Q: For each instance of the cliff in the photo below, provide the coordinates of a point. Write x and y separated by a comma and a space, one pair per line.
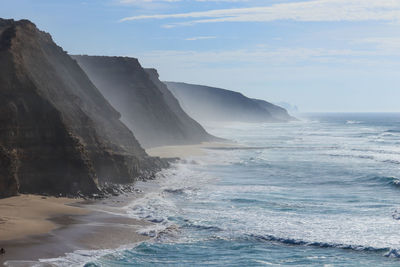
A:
58, 134
210, 104
279, 113
146, 105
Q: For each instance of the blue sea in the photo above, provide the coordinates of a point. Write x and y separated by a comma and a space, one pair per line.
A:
323, 191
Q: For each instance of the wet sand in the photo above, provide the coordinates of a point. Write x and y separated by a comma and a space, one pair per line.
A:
57, 228
25, 215
34, 227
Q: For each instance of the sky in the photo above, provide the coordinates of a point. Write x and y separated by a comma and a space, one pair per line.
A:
320, 55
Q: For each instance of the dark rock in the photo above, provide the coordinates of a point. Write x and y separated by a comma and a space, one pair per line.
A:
146, 105
58, 134
8, 173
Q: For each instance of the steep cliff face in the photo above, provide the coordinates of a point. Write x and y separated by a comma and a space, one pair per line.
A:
59, 133
192, 130
8, 173
146, 105
209, 104
279, 113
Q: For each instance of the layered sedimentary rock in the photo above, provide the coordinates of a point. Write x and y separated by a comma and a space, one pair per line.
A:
209, 104
146, 105
58, 134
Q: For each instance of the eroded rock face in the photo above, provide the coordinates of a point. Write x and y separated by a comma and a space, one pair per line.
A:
8, 173
65, 136
146, 105
209, 104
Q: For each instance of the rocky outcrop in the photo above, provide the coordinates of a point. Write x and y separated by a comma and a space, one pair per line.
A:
8, 173
277, 112
58, 134
146, 105
209, 104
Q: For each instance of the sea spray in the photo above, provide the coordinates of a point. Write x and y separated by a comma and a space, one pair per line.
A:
291, 201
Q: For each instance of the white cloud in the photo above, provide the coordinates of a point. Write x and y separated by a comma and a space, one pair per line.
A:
383, 43
306, 76
138, 2
222, 0
134, 2
200, 38
264, 56
315, 10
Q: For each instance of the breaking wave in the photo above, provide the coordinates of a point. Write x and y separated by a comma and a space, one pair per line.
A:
387, 251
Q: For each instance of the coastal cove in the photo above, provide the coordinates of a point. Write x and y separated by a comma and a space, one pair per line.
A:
185, 133
254, 204
75, 128
36, 227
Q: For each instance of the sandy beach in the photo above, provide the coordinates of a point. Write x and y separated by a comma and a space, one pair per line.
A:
25, 215
34, 227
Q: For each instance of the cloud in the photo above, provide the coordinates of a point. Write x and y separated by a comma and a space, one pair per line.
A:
307, 11
222, 1
383, 43
138, 2
265, 56
289, 73
135, 2
280, 60
200, 38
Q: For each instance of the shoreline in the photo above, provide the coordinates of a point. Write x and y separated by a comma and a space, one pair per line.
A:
26, 221
60, 226
34, 227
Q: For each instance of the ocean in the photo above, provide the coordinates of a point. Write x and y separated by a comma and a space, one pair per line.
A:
324, 191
